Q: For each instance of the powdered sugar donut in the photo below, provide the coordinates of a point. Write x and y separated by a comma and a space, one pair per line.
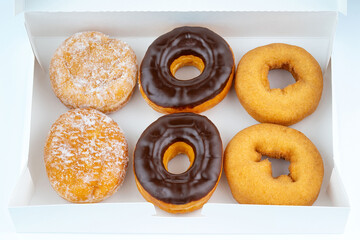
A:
89, 69
86, 156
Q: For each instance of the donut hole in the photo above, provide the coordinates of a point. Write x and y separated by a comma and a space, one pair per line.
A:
279, 166
178, 164
187, 67
187, 73
178, 158
280, 78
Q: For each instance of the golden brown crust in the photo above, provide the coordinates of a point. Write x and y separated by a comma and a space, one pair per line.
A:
197, 109
178, 148
282, 106
173, 150
176, 208
251, 180
184, 46
173, 134
187, 60
89, 69
173, 208
86, 156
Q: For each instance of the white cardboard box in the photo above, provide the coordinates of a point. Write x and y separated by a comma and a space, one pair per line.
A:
35, 207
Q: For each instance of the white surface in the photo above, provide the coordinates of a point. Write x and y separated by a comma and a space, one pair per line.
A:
184, 5
47, 31
15, 53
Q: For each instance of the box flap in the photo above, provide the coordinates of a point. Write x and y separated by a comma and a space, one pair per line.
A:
278, 26
186, 5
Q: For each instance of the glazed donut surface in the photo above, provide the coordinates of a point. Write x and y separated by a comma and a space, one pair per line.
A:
168, 136
281, 106
91, 70
196, 46
86, 156
250, 178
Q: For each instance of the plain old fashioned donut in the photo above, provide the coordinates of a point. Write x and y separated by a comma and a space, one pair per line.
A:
251, 180
183, 46
91, 70
86, 156
188, 133
282, 106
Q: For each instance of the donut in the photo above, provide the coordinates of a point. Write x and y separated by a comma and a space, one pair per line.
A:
91, 70
183, 46
86, 156
280, 106
250, 178
188, 133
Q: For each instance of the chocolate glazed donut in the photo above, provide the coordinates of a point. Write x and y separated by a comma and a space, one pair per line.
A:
188, 133
196, 46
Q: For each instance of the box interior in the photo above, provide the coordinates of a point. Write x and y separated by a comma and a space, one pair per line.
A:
244, 31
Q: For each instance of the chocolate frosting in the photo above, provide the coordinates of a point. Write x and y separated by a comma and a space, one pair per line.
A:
163, 89
195, 183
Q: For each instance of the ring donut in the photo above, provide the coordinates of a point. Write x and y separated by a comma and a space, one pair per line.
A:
188, 133
251, 180
196, 46
91, 70
281, 106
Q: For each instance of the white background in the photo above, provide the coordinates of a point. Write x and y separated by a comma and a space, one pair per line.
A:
15, 56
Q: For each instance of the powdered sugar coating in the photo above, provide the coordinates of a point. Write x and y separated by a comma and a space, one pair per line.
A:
86, 156
89, 69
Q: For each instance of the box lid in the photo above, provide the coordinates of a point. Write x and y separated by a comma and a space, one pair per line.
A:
185, 5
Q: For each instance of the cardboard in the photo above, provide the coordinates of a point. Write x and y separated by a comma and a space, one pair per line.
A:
35, 206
